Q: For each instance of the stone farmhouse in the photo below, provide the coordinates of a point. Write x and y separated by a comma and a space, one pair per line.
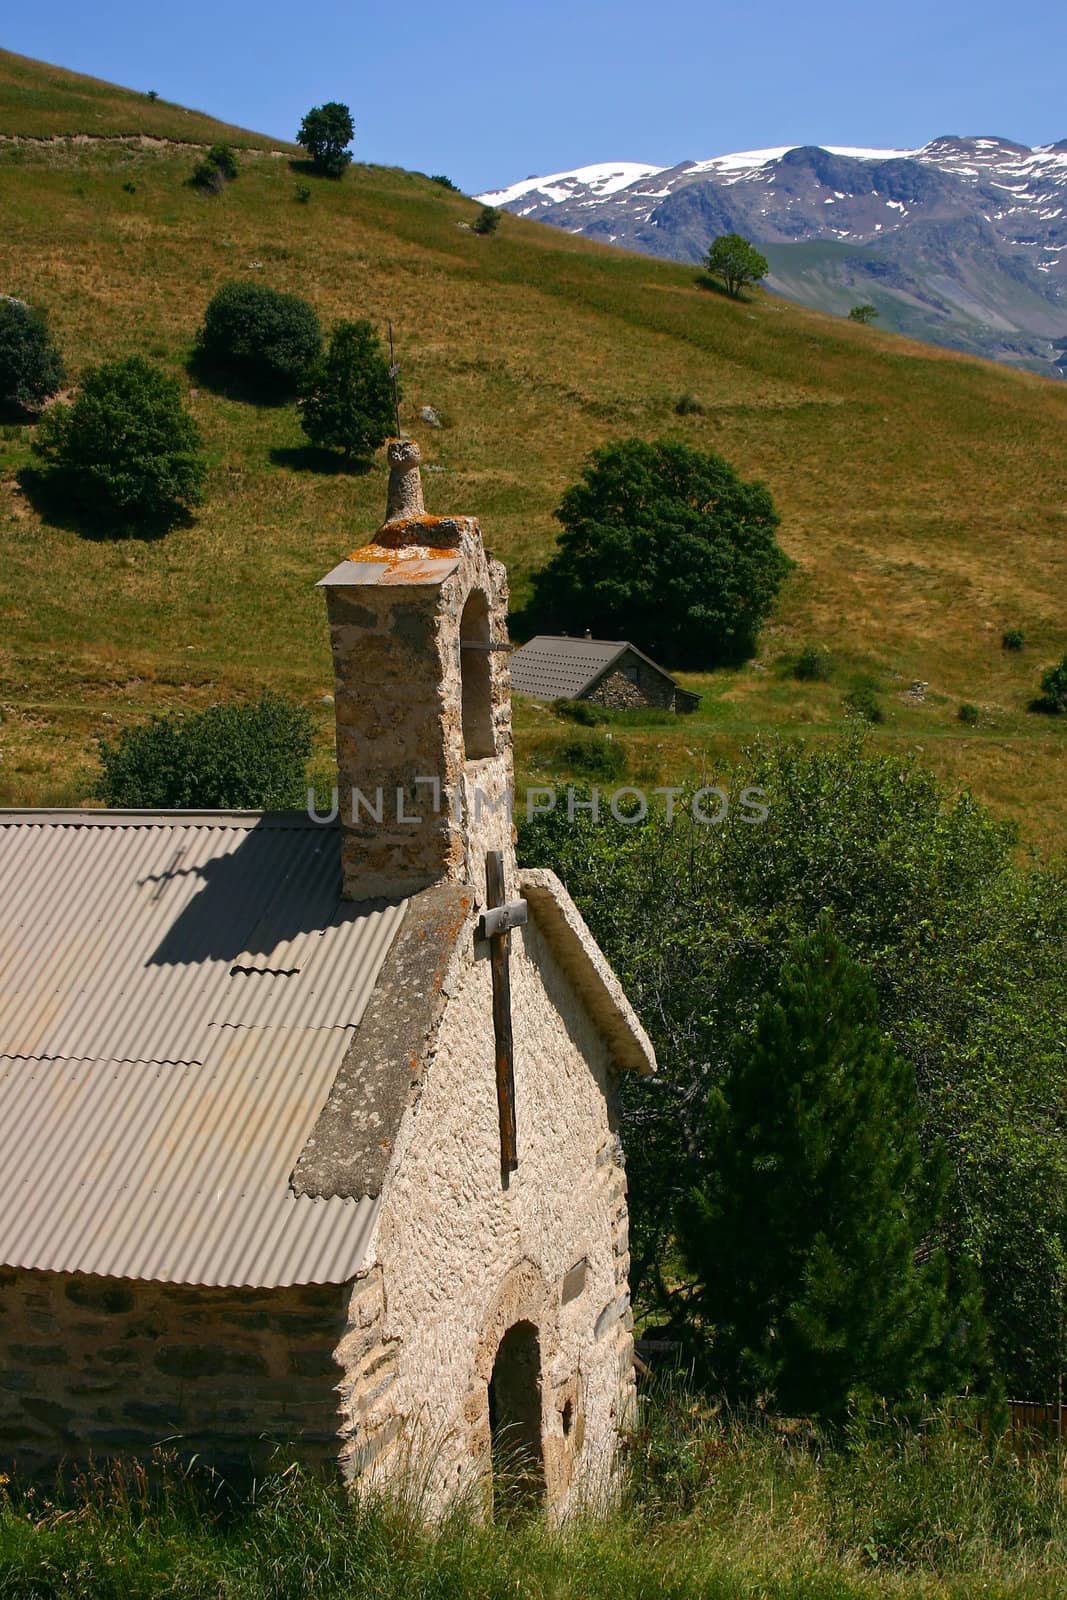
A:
607, 672
311, 1127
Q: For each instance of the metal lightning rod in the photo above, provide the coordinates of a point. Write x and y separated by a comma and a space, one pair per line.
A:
394, 369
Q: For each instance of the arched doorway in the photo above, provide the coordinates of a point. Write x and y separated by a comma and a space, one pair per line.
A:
515, 1423
476, 669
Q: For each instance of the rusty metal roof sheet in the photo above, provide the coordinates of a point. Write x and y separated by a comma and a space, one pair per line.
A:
564, 668
176, 995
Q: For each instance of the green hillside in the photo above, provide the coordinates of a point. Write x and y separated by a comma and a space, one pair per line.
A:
922, 493
38, 101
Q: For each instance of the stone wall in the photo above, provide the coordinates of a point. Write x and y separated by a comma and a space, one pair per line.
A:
619, 692
398, 674
111, 1367
466, 1257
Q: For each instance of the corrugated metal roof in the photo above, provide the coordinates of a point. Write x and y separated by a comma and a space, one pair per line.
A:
176, 995
561, 668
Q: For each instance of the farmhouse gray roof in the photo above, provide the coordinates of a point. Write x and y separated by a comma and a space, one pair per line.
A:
561, 668
205, 1053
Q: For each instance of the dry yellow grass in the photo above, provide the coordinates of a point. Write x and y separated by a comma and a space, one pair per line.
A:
923, 494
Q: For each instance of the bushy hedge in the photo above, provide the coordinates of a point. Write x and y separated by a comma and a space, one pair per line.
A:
230, 757
257, 339
125, 456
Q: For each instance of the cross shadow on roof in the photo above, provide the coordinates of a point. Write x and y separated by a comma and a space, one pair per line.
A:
282, 879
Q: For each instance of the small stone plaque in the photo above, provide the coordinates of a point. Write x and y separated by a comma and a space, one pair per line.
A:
574, 1281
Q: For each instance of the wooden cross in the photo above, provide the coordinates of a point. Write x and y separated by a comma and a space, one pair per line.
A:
495, 924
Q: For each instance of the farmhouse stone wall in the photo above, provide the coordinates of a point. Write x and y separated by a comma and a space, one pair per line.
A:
113, 1367
466, 1257
619, 692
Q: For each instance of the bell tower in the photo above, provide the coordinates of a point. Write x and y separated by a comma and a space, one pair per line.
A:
418, 630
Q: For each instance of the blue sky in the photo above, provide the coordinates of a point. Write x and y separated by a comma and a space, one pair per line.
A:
490, 93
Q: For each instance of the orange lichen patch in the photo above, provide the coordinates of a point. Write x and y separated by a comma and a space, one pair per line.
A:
447, 531
392, 557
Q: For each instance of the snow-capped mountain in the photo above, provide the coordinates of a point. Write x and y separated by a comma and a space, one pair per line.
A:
963, 241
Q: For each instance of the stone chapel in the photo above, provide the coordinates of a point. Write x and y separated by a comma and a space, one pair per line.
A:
311, 1123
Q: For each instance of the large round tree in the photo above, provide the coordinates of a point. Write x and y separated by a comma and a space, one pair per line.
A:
125, 456
668, 547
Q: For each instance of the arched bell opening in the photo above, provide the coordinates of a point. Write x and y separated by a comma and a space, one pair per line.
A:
476, 668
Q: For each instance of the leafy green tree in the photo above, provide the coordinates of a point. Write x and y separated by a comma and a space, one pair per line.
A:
231, 756
667, 546
258, 339
802, 1236
346, 400
964, 943
736, 262
31, 368
125, 455
325, 134
864, 313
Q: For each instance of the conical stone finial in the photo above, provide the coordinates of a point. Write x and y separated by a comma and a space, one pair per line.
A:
405, 483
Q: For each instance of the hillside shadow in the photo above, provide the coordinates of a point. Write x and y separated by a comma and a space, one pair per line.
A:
704, 280
51, 496
314, 458
14, 415
248, 390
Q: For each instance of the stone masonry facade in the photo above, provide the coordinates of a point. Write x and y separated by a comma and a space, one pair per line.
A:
110, 1367
644, 687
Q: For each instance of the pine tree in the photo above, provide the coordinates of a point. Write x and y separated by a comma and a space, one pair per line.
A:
809, 1236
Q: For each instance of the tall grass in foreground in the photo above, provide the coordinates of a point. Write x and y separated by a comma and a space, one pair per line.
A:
718, 1506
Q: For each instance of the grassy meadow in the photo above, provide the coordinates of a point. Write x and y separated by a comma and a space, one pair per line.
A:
715, 1508
923, 494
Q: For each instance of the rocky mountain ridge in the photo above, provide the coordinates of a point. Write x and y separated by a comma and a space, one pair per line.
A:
962, 242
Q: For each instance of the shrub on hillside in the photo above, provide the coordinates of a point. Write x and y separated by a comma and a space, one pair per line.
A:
667, 546
964, 944
445, 183
31, 368
125, 455
584, 712
969, 714
346, 395
862, 702
591, 756
1013, 639
232, 756
812, 665
326, 133
218, 168
813, 1177
1053, 696
258, 339
487, 221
